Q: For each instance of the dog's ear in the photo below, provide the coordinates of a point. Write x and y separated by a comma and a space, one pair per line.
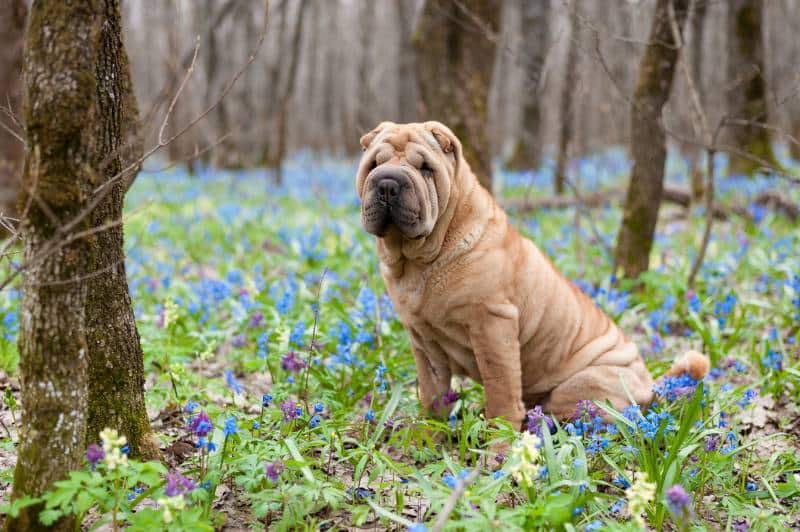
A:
445, 138
367, 138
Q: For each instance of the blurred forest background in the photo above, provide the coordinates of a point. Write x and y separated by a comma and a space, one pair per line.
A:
331, 70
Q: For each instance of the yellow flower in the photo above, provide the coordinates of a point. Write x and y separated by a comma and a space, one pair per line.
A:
112, 445
169, 504
524, 456
170, 313
640, 494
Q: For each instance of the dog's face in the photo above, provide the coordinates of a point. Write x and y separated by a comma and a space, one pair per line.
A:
406, 177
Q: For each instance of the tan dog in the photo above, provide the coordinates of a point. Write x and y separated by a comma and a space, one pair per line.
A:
478, 299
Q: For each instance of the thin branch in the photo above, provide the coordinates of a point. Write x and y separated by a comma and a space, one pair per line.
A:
450, 504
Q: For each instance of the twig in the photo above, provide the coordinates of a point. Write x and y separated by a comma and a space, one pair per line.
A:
592, 226
450, 504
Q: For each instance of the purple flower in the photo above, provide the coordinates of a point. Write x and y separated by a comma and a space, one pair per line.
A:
256, 319
94, 453
177, 484
292, 362
535, 417
239, 341
274, 470
678, 501
200, 425
289, 409
584, 406
712, 442
449, 398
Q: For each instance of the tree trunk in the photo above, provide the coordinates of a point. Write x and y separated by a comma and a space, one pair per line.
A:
366, 101
12, 151
286, 94
697, 22
406, 73
78, 343
269, 152
567, 102
747, 95
648, 142
455, 45
527, 151
116, 368
60, 45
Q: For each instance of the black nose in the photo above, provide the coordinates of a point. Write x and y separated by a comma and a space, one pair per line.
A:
388, 189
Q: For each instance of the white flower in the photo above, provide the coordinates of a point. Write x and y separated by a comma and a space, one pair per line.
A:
640, 494
112, 447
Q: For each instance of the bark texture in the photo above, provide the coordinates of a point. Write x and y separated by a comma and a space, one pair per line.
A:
12, 34
747, 93
78, 344
455, 45
697, 23
116, 370
406, 72
527, 150
648, 143
60, 83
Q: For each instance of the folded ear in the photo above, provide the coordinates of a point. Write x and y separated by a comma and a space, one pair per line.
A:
446, 139
366, 139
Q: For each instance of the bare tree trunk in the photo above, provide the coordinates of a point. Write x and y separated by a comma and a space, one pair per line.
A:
269, 152
116, 368
12, 33
366, 103
747, 95
455, 44
527, 151
566, 105
648, 142
288, 88
329, 114
697, 24
406, 72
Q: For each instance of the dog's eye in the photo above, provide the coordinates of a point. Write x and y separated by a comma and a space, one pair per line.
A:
426, 170
373, 166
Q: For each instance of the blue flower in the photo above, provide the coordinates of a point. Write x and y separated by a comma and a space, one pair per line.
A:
190, 407
748, 397
449, 480
594, 526
417, 527
232, 383
751, 486
296, 336
370, 415
498, 474
266, 399
230, 426
318, 407
314, 422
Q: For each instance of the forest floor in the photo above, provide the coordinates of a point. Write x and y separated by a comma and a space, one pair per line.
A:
243, 289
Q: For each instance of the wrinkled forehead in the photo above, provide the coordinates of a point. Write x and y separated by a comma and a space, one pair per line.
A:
399, 137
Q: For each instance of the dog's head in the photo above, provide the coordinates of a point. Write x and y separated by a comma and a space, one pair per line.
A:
407, 176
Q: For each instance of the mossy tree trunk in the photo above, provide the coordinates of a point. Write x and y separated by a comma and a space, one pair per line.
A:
455, 45
527, 149
648, 142
12, 33
567, 103
78, 345
116, 371
747, 94
61, 44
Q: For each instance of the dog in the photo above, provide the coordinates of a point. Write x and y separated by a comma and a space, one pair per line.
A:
480, 300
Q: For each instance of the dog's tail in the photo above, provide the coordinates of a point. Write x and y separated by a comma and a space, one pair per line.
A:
694, 363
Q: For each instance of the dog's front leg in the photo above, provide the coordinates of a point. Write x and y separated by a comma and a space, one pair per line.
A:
494, 335
433, 375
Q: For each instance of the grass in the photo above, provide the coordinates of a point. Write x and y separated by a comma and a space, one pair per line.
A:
242, 289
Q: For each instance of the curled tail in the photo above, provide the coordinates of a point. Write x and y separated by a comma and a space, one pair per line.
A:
694, 363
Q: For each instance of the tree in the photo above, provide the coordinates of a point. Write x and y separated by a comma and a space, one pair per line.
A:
288, 90
747, 95
75, 349
406, 74
648, 141
697, 24
455, 45
527, 150
12, 31
566, 105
